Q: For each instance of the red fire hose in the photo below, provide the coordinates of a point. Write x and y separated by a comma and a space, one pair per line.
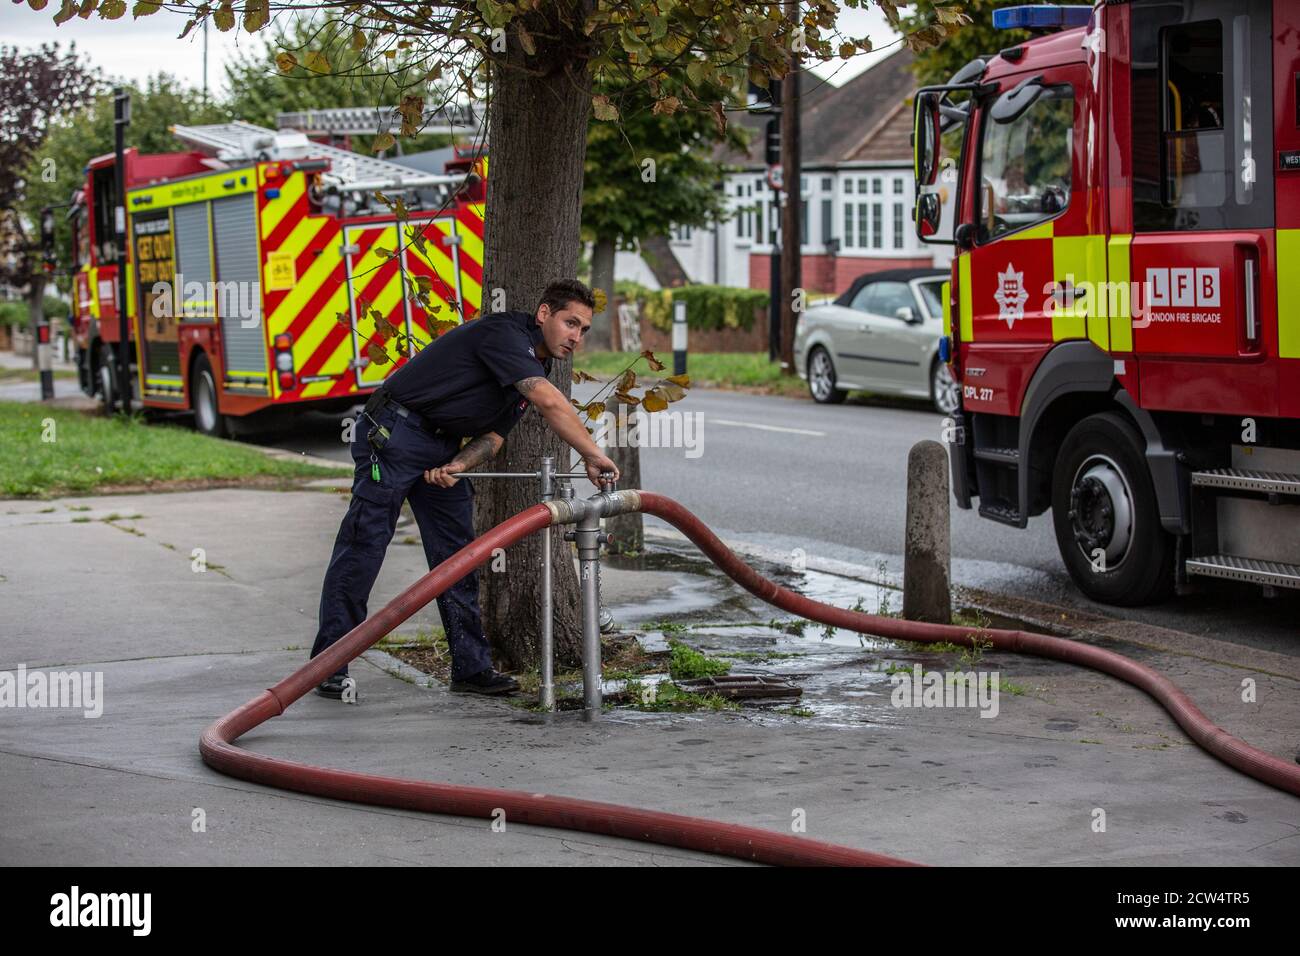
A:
692, 833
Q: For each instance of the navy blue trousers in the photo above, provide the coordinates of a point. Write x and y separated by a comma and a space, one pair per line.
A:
445, 518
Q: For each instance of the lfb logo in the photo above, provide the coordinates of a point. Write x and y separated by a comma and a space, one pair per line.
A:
1011, 295
1174, 288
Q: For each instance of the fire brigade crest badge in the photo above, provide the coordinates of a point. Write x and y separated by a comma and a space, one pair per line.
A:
1011, 295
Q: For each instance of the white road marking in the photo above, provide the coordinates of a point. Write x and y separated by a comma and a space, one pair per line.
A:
766, 428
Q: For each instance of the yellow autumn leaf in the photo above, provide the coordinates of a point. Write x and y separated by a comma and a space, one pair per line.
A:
382, 142
595, 410
316, 61
603, 109
670, 391
654, 401
285, 62
653, 362
683, 380
600, 299
377, 355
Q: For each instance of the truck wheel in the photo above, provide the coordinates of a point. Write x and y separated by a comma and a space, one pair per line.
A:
821, 378
203, 396
107, 380
1105, 515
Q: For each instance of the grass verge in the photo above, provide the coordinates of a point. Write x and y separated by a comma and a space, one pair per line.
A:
57, 451
741, 370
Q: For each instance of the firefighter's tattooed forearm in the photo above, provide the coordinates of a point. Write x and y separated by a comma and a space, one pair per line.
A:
526, 385
477, 451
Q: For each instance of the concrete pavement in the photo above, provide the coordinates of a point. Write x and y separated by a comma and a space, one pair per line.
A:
178, 648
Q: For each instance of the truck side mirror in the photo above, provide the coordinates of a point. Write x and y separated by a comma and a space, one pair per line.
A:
925, 139
1011, 105
928, 214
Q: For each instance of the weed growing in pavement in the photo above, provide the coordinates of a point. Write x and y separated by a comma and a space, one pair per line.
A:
687, 663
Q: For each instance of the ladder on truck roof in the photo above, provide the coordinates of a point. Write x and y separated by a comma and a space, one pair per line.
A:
453, 118
241, 142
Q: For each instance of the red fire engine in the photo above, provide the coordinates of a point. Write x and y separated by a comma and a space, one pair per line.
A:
1124, 305
262, 267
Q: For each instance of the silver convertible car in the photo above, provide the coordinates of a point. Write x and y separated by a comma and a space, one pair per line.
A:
882, 335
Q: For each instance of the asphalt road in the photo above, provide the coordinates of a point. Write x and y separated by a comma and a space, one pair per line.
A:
831, 480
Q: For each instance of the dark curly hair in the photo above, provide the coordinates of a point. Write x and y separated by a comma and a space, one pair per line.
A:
563, 291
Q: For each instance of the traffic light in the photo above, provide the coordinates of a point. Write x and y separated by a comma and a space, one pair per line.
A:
772, 143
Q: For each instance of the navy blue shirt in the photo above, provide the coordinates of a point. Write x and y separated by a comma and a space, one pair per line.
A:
464, 379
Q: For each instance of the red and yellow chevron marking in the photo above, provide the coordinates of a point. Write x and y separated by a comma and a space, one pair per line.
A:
376, 285
469, 220
307, 309
435, 263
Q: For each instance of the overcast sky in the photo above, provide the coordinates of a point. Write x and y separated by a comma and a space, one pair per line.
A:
134, 50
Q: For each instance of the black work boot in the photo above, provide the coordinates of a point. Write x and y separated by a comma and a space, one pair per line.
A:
336, 686
485, 682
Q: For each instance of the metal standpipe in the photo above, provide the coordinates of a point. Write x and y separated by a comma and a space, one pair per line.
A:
546, 692
587, 537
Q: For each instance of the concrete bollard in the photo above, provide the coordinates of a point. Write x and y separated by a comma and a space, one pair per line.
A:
927, 561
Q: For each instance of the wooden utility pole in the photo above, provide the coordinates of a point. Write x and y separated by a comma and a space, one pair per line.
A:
791, 216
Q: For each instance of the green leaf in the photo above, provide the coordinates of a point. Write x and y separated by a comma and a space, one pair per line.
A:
223, 18
66, 13
38, 4
112, 9
145, 8
257, 14
87, 8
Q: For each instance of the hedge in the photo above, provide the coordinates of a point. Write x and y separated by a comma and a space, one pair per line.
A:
16, 313
708, 307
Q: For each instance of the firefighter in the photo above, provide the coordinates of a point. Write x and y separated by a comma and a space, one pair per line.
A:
476, 380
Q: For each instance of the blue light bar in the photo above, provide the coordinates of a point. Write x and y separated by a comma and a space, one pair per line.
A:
1041, 16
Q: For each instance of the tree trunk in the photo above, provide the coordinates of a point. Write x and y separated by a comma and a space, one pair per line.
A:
36, 310
537, 141
626, 532
601, 335
663, 262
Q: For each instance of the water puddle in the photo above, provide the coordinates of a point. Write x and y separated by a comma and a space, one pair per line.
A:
845, 676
